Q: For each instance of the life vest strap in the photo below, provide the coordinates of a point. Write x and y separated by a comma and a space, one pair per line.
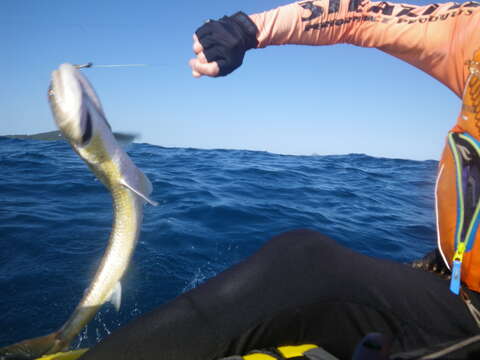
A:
473, 310
466, 154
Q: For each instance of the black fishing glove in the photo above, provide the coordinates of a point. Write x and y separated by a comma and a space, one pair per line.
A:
226, 40
433, 262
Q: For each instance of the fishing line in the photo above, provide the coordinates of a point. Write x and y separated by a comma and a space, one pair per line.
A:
91, 65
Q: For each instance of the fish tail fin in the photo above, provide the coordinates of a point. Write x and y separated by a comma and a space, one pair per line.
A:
33, 348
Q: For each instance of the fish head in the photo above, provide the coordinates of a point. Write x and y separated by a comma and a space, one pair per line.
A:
74, 104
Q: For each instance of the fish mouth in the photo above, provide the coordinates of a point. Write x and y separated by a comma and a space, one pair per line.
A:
67, 102
65, 88
64, 93
75, 105
52, 100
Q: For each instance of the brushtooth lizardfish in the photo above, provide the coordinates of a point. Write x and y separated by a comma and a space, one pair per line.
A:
79, 116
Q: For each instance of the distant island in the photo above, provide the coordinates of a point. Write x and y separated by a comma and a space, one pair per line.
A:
57, 135
49, 136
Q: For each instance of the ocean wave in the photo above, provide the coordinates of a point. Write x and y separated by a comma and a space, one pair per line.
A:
216, 208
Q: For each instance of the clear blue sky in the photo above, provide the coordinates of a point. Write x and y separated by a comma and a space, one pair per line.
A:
289, 99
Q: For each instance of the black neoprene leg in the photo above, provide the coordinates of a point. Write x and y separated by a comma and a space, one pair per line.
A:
301, 287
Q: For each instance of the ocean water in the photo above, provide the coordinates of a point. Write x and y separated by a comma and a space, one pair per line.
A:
216, 208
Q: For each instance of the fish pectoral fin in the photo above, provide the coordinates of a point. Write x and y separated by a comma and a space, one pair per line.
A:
116, 296
139, 193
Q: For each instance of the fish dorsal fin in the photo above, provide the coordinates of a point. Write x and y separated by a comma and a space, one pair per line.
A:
140, 193
124, 139
116, 296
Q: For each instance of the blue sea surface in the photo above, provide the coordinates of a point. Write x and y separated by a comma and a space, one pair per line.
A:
216, 208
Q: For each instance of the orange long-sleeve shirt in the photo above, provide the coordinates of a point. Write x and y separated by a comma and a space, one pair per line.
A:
442, 40
437, 39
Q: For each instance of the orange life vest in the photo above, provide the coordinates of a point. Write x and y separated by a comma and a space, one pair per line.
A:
458, 189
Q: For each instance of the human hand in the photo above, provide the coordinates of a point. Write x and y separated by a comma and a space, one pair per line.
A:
200, 65
220, 45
